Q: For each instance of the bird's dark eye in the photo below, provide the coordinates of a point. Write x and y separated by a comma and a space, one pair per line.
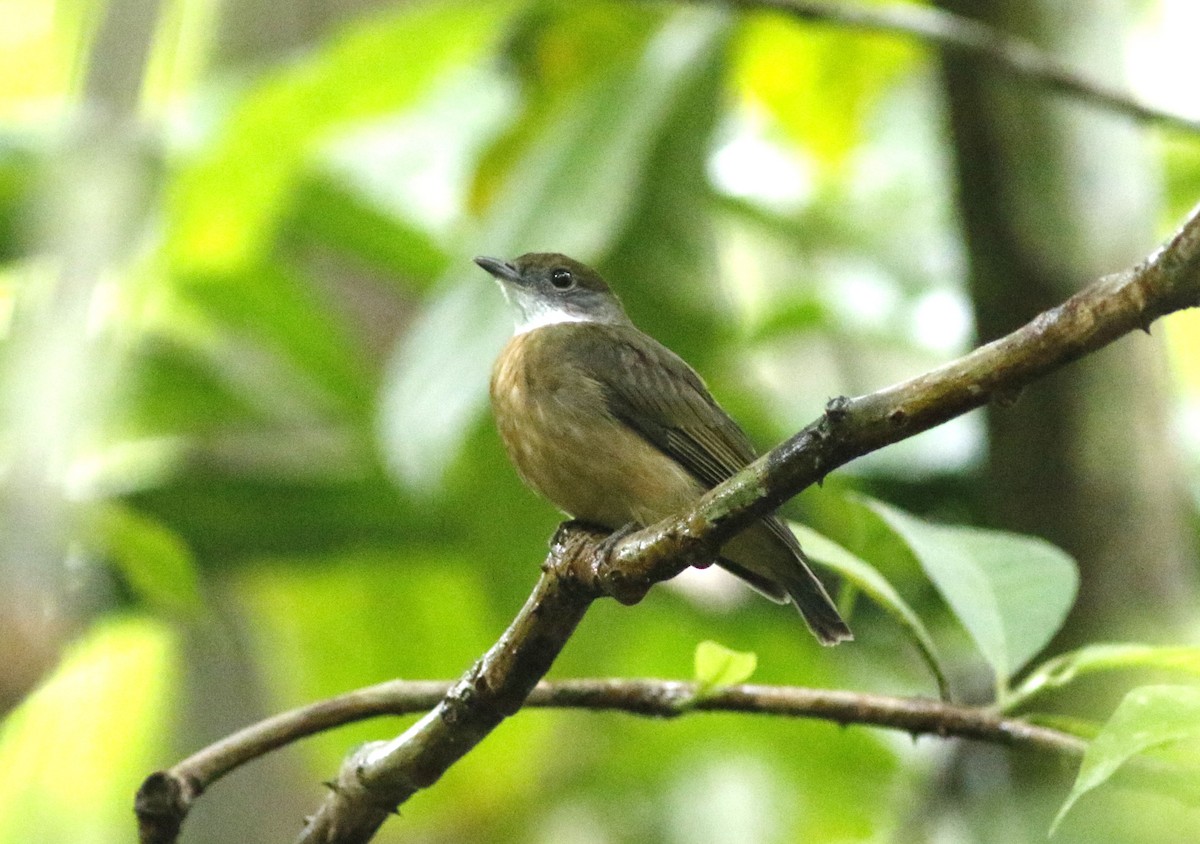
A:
562, 279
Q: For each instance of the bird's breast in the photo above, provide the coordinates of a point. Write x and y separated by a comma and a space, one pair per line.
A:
555, 423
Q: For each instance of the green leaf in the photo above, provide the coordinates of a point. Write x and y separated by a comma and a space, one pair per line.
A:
1182, 172
791, 317
1084, 728
18, 180
437, 381
1010, 592
716, 666
329, 211
227, 518
291, 331
1149, 717
665, 262
818, 84
572, 192
855, 570
154, 561
1064, 669
115, 692
224, 208
174, 390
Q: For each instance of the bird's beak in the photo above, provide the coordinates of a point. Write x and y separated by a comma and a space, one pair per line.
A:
502, 270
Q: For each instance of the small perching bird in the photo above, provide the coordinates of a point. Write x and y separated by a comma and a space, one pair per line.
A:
615, 429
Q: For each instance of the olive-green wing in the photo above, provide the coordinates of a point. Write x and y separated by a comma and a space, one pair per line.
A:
654, 392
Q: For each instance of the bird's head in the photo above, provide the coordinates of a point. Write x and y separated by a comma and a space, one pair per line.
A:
545, 288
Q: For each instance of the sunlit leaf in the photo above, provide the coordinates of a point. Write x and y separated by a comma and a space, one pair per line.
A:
1010, 592
40, 60
1182, 171
558, 52
571, 192
1066, 668
109, 707
225, 206
1182, 334
665, 264
819, 84
824, 551
717, 666
1076, 726
1149, 717
152, 558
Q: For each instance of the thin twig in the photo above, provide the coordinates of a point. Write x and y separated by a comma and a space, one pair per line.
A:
948, 31
653, 698
380, 776
647, 698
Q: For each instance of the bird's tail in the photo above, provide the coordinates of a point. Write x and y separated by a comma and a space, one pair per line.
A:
768, 557
814, 603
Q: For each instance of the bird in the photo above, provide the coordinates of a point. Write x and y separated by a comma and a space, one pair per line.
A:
617, 431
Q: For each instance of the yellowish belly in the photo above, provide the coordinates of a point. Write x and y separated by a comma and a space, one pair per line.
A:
601, 473
568, 448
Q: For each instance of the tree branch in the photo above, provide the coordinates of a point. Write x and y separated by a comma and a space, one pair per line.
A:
947, 31
651, 698
648, 698
1167, 281
581, 566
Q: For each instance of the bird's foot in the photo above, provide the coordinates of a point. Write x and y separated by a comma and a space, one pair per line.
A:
609, 544
574, 525
613, 578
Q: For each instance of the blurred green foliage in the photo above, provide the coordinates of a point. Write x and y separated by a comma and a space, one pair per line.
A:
296, 460
1149, 717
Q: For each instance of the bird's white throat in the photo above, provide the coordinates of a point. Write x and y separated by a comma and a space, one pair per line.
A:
540, 317
536, 312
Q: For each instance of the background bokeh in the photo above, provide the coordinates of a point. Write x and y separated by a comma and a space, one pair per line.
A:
246, 459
